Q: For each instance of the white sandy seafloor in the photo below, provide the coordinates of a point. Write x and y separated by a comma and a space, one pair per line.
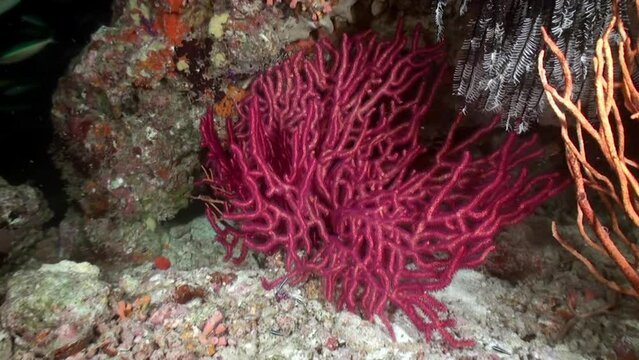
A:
517, 319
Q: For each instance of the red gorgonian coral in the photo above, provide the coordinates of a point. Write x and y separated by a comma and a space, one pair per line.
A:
321, 164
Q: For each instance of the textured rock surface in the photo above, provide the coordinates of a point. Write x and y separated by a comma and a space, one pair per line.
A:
52, 311
126, 114
23, 212
22, 207
157, 314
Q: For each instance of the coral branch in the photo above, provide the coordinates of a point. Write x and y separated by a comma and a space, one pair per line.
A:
615, 185
322, 165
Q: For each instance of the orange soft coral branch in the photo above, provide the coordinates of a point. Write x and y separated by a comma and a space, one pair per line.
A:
627, 54
616, 186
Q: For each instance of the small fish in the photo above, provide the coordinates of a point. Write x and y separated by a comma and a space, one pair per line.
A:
18, 89
14, 108
34, 20
281, 285
298, 300
501, 350
23, 50
6, 5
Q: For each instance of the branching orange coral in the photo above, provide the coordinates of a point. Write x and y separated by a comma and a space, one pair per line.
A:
615, 183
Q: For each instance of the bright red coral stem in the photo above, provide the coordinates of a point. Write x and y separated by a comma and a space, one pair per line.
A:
321, 165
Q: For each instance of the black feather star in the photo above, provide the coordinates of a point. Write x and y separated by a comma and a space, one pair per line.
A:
496, 69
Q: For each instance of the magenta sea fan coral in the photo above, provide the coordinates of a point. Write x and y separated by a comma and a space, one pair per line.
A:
321, 164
